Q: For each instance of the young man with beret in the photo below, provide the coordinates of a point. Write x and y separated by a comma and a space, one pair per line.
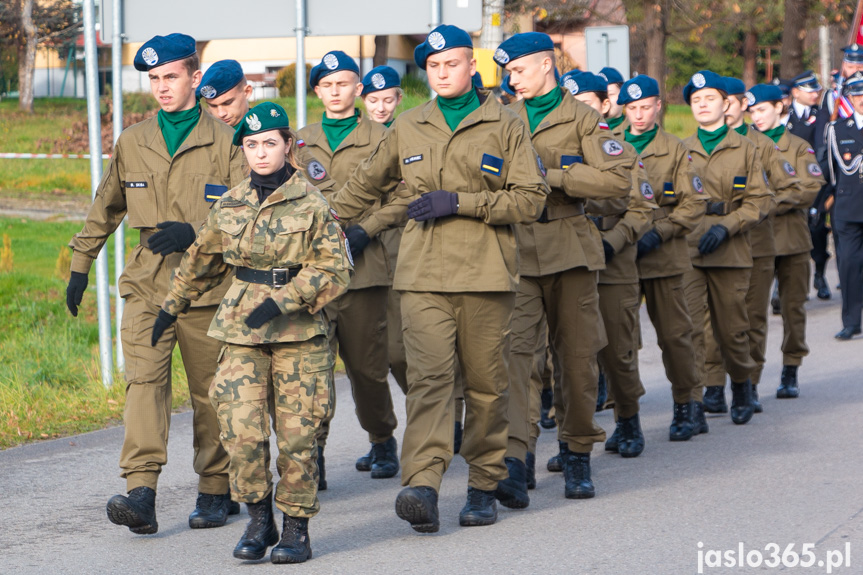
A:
330, 151
165, 174
226, 92
470, 165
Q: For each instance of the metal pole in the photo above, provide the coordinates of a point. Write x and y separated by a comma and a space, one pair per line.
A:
120, 234
824, 48
301, 63
94, 126
435, 14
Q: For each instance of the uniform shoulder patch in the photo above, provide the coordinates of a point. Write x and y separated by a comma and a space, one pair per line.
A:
612, 147
814, 170
301, 143
603, 126
316, 170
646, 190
789, 169
335, 215
698, 185
542, 169
810, 150
348, 249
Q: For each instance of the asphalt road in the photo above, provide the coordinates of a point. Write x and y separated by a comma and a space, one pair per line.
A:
791, 476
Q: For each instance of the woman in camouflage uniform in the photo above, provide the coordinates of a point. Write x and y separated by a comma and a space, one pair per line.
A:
290, 258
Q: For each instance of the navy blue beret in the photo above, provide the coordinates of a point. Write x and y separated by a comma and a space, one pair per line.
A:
380, 78
763, 93
219, 78
611, 75
160, 50
332, 62
520, 45
477, 80
638, 88
506, 86
734, 86
853, 54
784, 85
807, 82
854, 85
441, 39
701, 80
578, 82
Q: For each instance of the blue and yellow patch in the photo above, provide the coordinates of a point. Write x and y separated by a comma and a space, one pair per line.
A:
213, 192
491, 164
739, 182
567, 161
668, 189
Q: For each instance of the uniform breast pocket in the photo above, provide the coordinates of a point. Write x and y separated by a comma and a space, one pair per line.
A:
418, 168
290, 237
232, 234
141, 202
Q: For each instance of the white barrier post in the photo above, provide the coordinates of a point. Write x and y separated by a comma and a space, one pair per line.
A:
120, 234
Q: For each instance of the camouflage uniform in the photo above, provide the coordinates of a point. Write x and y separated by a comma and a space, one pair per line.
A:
294, 229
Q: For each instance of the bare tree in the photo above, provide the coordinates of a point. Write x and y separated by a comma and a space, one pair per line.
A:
382, 45
26, 57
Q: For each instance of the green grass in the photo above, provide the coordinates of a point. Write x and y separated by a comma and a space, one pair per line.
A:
679, 121
50, 383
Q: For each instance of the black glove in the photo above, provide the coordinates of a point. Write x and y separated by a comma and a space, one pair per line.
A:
609, 251
75, 291
358, 239
174, 237
263, 313
163, 322
543, 217
648, 242
712, 238
436, 204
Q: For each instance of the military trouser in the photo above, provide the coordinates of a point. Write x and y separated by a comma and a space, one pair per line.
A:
395, 343
570, 302
757, 305
792, 274
618, 304
721, 293
666, 306
849, 255
300, 375
147, 415
541, 377
438, 328
358, 329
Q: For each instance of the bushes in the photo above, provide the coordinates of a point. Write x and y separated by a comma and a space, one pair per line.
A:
286, 80
415, 86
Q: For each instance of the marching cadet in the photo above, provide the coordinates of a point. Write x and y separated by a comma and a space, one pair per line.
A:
663, 255
621, 223
332, 149
732, 175
782, 180
276, 230
790, 229
560, 254
615, 114
845, 160
165, 173
226, 92
470, 165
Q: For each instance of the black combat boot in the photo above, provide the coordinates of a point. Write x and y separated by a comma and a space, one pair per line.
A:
260, 532
137, 511
756, 404
210, 511
631, 438
555, 462
788, 384
294, 546
714, 399
385, 459
576, 475
512, 491
530, 463
601, 392
741, 402
322, 470
418, 506
682, 427
458, 436
821, 287
699, 421
364, 463
480, 509
546, 402
612, 444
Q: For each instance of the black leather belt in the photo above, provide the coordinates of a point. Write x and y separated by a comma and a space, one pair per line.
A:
605, 223
559, 212
276, 277
715, 208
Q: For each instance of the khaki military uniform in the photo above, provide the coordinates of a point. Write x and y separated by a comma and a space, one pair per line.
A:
739, 198
560, 257
457, 275
783, 184
359, 318
622, 223
144, 182
287, 358
681, 208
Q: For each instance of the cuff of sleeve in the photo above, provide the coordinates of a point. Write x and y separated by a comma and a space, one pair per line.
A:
554, 177
616, 239
372, 226
468, 204
175, 304
732, 224
665, 230
81, 263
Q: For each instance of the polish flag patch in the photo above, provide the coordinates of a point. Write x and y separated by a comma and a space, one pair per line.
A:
603, 126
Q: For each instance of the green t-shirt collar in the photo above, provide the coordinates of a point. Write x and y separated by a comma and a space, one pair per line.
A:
456, 109
613, 123
176, 126
337, 130
538, 108
711, 139
640, 141
742, 129
775, 133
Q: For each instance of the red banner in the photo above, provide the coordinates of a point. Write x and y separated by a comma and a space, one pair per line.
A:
856, 36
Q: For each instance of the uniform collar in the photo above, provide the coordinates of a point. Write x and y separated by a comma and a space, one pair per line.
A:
359, 136
731, 140
567, 111
858, 120
488, 111
293, 189
659, 146
800, 110
203, 134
